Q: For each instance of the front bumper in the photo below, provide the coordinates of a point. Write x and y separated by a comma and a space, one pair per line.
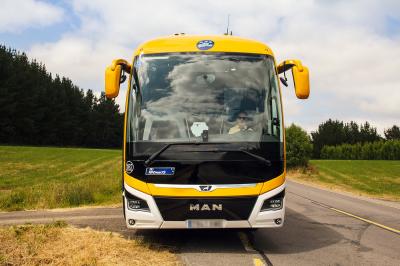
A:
153, 219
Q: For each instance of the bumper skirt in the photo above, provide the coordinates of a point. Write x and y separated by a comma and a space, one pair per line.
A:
153, 219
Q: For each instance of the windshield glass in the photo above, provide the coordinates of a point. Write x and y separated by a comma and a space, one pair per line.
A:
214, 97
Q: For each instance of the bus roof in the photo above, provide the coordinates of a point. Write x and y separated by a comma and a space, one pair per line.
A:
191, 43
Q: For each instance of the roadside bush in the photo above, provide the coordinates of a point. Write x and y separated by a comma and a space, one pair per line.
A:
379, 150
298, 147
14, 200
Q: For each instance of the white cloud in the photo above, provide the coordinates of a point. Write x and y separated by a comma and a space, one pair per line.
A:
20, 15
353, 59
79, 58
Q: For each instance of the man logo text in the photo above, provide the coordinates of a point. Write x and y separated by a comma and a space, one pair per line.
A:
205, 207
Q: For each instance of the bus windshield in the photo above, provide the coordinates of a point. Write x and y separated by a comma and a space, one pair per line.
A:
197, 97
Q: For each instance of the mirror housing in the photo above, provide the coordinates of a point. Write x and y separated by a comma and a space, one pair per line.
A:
113, 76
300, 77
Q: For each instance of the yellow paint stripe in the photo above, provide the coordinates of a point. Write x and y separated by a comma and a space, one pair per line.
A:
151, 189
191, 192
136, 184
273, 183
257, 262
367, 221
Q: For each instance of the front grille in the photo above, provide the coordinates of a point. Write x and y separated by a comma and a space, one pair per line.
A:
228, 208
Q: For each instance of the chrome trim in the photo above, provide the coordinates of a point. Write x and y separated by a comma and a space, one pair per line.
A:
206, 188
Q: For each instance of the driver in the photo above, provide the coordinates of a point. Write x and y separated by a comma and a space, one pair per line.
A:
241, 124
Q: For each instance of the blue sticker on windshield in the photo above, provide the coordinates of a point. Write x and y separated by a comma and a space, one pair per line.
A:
160, 171
205, 44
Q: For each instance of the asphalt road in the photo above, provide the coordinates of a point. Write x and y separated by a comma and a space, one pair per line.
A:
321, 228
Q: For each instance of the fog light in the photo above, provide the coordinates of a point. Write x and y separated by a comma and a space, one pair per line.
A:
278, 221
136, 204
274, 203
131, 222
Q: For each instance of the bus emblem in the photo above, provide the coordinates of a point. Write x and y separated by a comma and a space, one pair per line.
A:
205, 188
205, 44
129, 167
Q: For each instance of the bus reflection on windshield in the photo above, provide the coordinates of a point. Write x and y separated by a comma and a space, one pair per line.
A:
229, 97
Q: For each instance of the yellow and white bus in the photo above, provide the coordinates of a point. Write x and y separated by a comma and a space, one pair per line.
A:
204, 140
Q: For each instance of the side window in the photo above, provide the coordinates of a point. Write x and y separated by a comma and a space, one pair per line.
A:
131, 129
276, 117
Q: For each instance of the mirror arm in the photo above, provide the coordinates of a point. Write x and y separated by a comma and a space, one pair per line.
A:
288, 64
124, 64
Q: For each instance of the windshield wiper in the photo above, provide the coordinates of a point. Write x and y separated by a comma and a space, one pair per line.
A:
150, 160
261, 159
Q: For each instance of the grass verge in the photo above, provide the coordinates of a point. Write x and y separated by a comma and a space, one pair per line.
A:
41, 177
58, 244
373, 178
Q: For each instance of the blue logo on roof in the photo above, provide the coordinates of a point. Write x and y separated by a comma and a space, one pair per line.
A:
205, 44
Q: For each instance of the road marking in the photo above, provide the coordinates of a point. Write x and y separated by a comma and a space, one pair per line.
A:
248, 244
396, 231
367, 221
258, 262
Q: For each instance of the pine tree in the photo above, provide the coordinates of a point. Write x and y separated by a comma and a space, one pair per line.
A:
37, 109
392, 133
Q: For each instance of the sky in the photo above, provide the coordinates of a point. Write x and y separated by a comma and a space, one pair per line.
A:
352, 48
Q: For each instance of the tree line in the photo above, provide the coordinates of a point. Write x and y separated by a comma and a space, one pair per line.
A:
378, 150
335, 133
39, 109
337, 140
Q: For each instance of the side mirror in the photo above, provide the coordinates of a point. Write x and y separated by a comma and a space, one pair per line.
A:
114, 77
300, 77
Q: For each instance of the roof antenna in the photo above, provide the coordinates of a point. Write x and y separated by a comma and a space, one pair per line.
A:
227, 27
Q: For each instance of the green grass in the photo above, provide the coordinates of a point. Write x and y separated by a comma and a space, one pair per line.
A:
379, 179
40, 177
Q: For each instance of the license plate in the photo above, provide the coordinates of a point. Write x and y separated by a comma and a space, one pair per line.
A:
204, 223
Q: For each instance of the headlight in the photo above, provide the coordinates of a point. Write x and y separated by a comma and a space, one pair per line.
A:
136, 204
274, 203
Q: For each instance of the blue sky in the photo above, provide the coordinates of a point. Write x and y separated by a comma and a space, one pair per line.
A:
352, 48
24, 37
